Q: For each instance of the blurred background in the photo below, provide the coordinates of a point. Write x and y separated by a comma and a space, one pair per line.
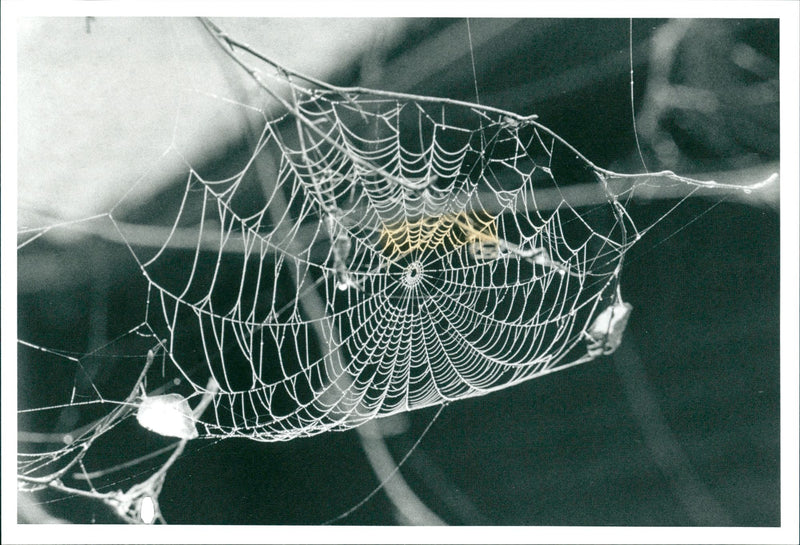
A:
679, 427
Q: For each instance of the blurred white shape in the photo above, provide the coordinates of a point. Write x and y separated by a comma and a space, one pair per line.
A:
168, 415
147, 510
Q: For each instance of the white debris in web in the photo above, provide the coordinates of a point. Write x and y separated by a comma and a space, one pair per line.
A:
147, 510
605, 334
168, 415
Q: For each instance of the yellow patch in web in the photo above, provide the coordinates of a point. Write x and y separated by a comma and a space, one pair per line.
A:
448, 231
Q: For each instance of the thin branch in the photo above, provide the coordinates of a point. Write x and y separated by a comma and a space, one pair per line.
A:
392, 482
103, 472
234, 43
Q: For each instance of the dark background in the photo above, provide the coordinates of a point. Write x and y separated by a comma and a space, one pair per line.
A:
679, 427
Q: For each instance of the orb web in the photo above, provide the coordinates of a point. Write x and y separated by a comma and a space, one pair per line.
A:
377, 253
414, 228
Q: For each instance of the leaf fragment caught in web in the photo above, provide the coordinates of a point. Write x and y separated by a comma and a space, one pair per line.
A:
605, 334
168, 415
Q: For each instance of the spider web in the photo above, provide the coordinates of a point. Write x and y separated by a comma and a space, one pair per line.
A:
436, 278
378, 253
